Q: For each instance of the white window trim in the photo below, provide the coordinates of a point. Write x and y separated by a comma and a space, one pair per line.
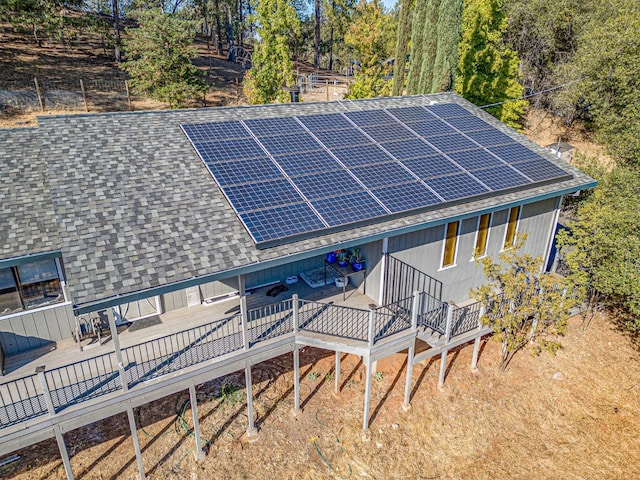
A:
506, 226
444, 246
475, 240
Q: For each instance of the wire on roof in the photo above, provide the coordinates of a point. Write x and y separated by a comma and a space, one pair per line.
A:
534, 94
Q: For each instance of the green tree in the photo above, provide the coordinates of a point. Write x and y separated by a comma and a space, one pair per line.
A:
487, 70
532, 308
402, 46
159, 58
272, 67
369, 40
607, 63
448, 32
601, 247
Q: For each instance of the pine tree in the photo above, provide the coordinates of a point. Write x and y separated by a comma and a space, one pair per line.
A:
424, 43
272, 68
160, 53
487, 69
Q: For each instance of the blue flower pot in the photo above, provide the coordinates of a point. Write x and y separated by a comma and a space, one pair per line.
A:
342, 263
357, 266
331, 257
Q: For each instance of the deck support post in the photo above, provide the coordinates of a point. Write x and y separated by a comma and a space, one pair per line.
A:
336, 386
136, 443
447, 337
296, 379
251, 427
367, 396
199, 453
415, 311
116, 345
63, 451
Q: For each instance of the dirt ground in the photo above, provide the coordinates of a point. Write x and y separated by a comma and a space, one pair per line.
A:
572, 416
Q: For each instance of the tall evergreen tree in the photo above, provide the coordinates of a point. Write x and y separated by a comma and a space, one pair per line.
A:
402, 46
272, 65
487, 69
424, 43
448, 33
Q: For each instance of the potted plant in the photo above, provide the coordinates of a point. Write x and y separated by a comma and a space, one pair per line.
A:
331, 257
341, 256
358, 260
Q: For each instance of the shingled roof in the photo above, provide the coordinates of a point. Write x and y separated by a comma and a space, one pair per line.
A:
137, 209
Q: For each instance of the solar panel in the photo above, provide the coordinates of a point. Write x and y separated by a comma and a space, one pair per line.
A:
514, 152
268, 127
342, 138
490, 138
431, 128
367, 118
472, 159
327, 184
254, 196
351, 208
281, 222
331, 121
408, 149
448, 110
452, 143
456, 186
224, 150
309, 162
411, 114
290, 143
242, 171
361, 155
206, 132
432, 166
500, 178
290, 182
387, 133
469, 123
382, 174
408, 196
540, 170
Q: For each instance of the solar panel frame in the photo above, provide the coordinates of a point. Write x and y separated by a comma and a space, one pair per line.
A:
346, 137
431, 166
226, 150
452, 143
326, 184
367, 118
513, 152
409, 149
308, 162
431, 128
283, 144
361, 155
456, 186
448, 110
469, 123
256, 196
330, 121
268, 127
206, 132
382, 174
388, 133
244, 171
281, 222
540, 169
476, 158
411, 114
502, 177
490, 138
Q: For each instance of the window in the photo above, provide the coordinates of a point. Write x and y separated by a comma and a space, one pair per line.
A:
29, 285
450, 242
512, 226
480, 249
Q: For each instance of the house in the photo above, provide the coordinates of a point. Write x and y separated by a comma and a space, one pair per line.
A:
187, 223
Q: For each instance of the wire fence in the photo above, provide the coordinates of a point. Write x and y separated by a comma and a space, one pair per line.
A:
46, 94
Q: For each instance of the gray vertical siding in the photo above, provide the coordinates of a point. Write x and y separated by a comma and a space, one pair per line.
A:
35, 329
281, 272
423, 249
373, 254
178, 299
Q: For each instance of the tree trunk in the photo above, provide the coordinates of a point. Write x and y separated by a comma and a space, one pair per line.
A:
231, 54
218, 28
116, 30
316, 44
241, 29
331, 49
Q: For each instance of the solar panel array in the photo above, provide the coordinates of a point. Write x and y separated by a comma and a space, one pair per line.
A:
290, 176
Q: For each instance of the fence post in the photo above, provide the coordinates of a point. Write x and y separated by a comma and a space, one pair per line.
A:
45, 390
126, 86
39, 93
245, 322
84, 96
296, 312
327, 84
372, 331
118, 351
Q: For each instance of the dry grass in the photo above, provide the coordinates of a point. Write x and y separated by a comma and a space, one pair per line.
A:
489, 425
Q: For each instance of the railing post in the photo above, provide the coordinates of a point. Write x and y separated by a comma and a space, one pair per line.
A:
296, 312
417, 297
447, 337
476, 343
116, 344
45, 390
245, 322
372, 330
